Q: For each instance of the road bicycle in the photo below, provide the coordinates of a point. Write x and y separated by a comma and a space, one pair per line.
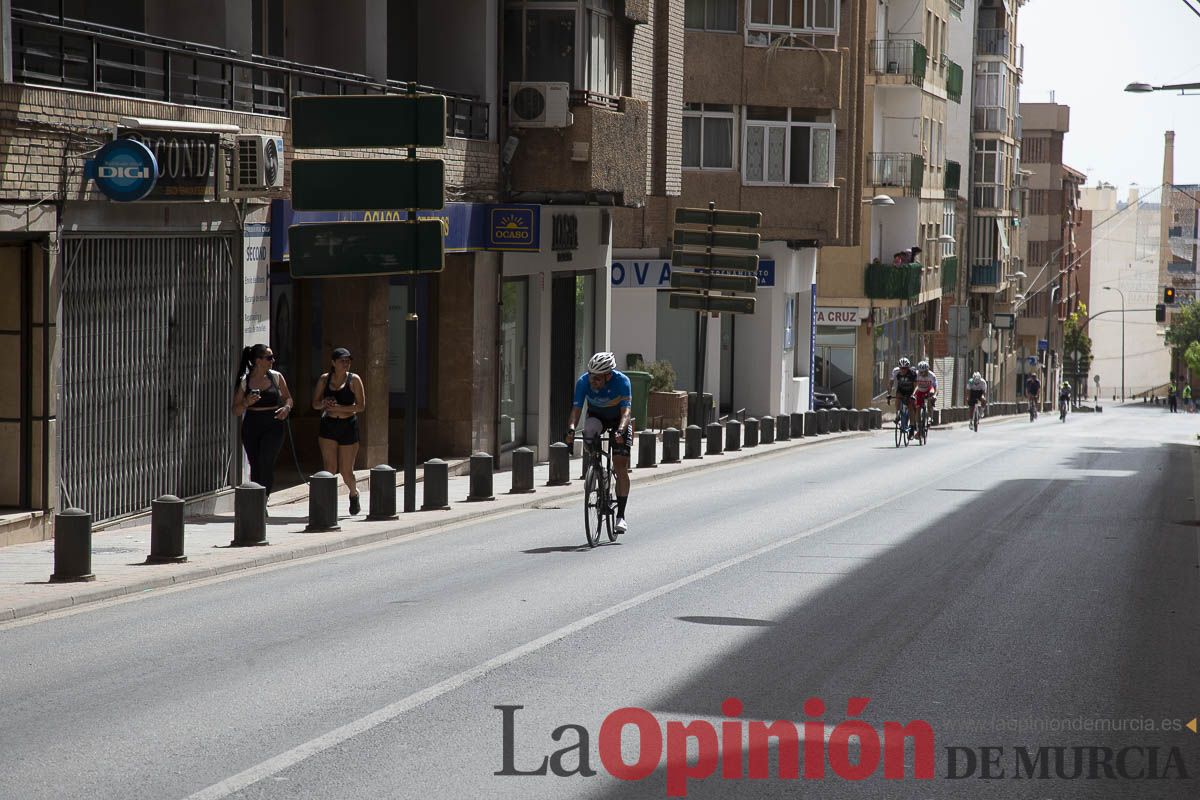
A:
923, 424
976, 415
599, 502
1033, 410
1062, 410
903, 434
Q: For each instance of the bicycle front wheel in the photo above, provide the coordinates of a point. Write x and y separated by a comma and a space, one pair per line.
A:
594, 506
610, 503
899, 431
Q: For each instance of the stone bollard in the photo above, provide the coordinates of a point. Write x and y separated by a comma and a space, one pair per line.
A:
822, 421
647, 449
250, 516
751, 432
436, 486
716, 433
166, 531
72, 547
852, 419
522, 471
693, 442
382, 487
766, 429
671, 446
796, 423
560, 464
481, 478
733, 436
322, 503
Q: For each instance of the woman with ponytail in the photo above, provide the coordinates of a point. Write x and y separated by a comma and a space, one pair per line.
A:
261, 398
339, 396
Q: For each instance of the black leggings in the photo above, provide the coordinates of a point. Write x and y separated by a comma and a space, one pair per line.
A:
262, 438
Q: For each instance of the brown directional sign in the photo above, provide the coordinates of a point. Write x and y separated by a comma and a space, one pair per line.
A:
369, 120
712, 303
722, 239
339, 184
705, 216
341, 249
689, 258
707, 282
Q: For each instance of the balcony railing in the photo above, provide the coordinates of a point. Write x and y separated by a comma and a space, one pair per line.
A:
98, 58
906, 57
992, 42
954, 82
900, 170
985, 273
953, 176
949, 274
888, 282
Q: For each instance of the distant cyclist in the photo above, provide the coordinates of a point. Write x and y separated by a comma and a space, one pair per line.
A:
1064, 398
609, 397
904, 384
926, 385
1033, 389
976, 391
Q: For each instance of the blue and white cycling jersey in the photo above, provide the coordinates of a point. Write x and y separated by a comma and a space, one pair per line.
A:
607, 401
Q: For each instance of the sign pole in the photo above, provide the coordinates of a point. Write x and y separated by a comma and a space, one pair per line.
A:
702, 342
410, 368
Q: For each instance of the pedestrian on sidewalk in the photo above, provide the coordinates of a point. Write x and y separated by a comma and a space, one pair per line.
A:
261, 398
1172, 396
339, 396
1187, 398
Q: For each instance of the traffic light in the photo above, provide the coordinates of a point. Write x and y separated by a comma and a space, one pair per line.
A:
1169, 295
1160, 313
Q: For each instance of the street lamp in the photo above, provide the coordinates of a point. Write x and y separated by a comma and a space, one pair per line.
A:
880, 200
1118, 291
1143, 88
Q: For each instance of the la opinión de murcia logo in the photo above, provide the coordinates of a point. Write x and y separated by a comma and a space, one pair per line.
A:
852, 750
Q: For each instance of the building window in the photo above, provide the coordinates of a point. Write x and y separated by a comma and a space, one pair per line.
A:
786, 147
991, 97
791, 23
710, 15
990, 168
708, 136
544, 41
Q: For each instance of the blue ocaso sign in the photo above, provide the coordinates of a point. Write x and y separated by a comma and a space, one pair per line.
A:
124, 170
513, 227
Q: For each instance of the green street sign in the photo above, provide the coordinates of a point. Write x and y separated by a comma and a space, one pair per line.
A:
706, 282
369, 120
731, 219
339, 184
343, 249
726, 239
688, 258
712, 303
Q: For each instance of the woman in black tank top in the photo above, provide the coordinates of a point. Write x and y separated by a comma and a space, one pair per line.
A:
339, 396
261, 398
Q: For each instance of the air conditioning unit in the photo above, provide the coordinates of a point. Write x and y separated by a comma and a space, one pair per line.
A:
258, 162
539, 105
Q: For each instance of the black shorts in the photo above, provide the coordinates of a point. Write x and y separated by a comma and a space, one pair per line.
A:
973, 396
344, 431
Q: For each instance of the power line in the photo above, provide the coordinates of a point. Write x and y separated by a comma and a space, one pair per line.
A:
1191, 8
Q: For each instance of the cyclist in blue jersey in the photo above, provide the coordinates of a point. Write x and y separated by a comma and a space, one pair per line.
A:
609, 397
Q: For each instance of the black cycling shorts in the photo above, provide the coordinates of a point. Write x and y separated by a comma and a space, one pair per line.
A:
344, 431
974, 396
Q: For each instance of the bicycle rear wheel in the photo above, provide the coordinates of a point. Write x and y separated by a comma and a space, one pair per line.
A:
593, 506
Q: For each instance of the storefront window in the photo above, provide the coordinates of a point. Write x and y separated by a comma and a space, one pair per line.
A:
833, 365
398, 342
514, 340
585, 320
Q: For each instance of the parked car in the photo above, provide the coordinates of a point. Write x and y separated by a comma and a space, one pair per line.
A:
823, 398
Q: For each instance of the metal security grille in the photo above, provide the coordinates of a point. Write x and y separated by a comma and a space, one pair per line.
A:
148, 327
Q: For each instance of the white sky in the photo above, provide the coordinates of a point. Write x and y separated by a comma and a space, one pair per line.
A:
1086, 51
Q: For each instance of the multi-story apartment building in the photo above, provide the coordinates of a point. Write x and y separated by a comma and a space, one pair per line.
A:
911, 188
772, 121
1051, 289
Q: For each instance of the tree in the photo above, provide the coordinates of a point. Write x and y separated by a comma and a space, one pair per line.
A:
1074, 337
1192, 357
1184, 329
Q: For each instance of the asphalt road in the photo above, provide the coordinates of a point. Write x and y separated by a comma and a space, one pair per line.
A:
1030, 586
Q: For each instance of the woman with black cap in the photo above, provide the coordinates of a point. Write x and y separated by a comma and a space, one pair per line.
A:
339, 396
261, 398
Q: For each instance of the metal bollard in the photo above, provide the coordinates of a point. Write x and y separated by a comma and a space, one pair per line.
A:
481, 478
72, 547
796, 423
865, 419
822, 420
733, 436
250, 516
436, 486
852, 419
322, 503
671, 446
647, 449
810, 423
842, 419
166, 531
560, 464
383, 493
783, 428
766, 429
522, 471
716, 433
751, 432
877, 418
693, 442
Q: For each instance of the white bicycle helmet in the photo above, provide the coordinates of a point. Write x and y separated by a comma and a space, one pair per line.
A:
976, 377
602, 363
904, 362
923, 366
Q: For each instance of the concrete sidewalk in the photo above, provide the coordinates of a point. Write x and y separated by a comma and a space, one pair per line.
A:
118, 553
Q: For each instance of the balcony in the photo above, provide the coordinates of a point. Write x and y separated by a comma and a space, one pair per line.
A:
985, 274
905, 58
888, 282
993, 42
953, 176
903, 171
949, 274
954, 82
98, 58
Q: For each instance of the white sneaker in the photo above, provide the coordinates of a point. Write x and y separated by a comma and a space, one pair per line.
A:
621, 526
